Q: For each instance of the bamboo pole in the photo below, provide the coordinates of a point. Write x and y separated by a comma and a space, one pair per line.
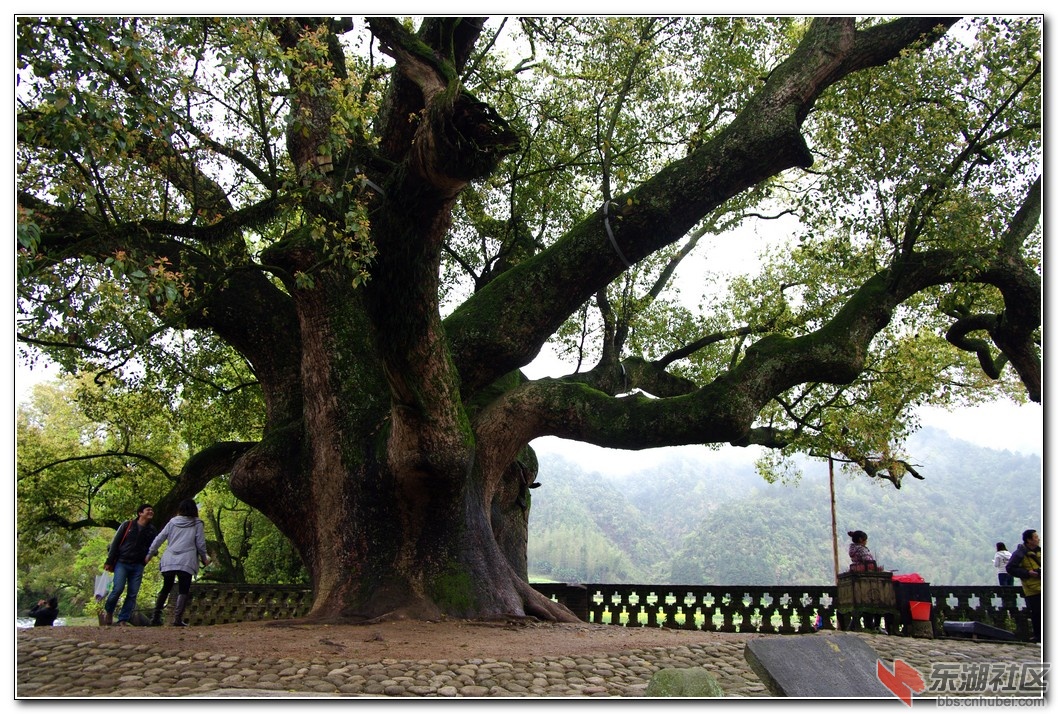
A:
833, 516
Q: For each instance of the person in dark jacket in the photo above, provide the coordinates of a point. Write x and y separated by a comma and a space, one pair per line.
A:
187, 546
126, 558
45, 612
1027, 563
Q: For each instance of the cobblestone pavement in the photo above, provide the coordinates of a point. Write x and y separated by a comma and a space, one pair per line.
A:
49, 667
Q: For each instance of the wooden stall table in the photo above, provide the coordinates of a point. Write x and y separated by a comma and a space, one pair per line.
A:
866, 593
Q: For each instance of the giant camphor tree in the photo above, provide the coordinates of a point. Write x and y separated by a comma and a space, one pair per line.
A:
385, 223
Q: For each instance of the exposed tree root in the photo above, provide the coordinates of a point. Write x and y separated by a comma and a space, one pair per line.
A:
541, 607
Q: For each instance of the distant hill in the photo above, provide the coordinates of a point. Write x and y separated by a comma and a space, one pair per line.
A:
715, 521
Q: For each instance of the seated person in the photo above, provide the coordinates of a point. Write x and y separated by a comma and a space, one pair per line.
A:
862, 561
45, 612
859, 554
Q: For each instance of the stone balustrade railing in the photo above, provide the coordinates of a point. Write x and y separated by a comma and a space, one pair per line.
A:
1002, 607
223, 603
773, 609
779, 609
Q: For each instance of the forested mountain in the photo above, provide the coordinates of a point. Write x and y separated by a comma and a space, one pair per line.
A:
714, 521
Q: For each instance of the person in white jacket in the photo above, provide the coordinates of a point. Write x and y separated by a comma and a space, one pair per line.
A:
187, 546
999, 562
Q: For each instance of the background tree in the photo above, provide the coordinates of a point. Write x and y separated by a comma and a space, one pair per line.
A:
245, 546
379, 226
88, 455
75, 472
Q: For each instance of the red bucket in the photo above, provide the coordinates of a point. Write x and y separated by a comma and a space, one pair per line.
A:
920, 610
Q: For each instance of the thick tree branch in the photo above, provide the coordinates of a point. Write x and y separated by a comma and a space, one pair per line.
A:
102, 455
766, 436
455, 138
215, 460
632, 374
80, 524
705, 341
925, 204
670, 268
453, 38
883, 466
417, 61
242, 307
1025, 220
1015, 330
724, 410
198, 471
958, 333
503, 326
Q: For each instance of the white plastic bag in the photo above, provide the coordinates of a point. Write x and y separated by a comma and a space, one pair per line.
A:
103, 585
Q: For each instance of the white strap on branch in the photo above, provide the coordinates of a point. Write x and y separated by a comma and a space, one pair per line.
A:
609, 233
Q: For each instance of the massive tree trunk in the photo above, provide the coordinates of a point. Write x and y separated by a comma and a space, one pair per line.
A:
386, 499
394, 508
400, 481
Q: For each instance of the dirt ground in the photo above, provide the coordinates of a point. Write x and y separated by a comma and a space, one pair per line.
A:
400, 640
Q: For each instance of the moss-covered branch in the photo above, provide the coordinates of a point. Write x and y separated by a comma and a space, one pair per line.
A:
503, 326
724, 410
